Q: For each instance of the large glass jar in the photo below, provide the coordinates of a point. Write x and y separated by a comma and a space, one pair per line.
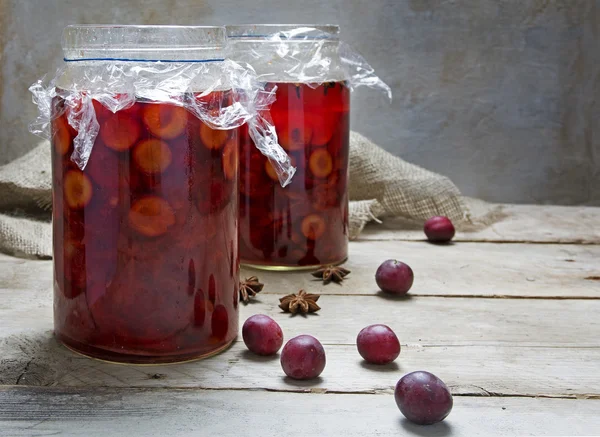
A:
145, 194
304, 224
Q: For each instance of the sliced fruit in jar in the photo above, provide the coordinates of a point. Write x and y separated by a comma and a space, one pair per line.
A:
201, 308
61, 136
219, 322
120, 131
151, 216
313, 226
78, 189
270, 170
102, 112
165, 121
292, 131
320, 163
103, 166
144, 313
213, 138
152, 156
323, 127
230, 158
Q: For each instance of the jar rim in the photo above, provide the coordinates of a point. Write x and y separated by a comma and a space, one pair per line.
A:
284, 31
160, 42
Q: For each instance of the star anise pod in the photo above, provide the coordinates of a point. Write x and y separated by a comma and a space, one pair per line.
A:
331, 273
249, 288
302, 302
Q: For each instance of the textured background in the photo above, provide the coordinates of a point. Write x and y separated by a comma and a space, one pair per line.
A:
499, 95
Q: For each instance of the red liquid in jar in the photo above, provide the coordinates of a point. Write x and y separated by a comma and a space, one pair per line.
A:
305, 223
145, 237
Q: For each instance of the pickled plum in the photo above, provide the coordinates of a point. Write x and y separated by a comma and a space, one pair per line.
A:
303, 357
423, 398
378, 344
313, 226
78, 189
212, 289
151, 216
292, 132
165, 121
439, 229
219, 322
213, 138
322, 127
271, 171
262, 335
230, 159
152, 156
61, 136
120, 131
103, 167
101, 111
202, 307
394, 277
320, 163
146, 313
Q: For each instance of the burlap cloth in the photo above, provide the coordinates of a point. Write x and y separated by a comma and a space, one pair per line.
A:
381, 185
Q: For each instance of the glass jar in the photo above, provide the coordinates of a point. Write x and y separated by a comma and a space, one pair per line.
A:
304, 224
145, 194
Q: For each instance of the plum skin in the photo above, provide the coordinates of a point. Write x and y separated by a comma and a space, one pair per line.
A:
439, 229
423, 398
378, 344
262, 335
394, 277
303, 357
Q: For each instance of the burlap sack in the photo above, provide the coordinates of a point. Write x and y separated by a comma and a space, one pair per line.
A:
381, 185
25, 202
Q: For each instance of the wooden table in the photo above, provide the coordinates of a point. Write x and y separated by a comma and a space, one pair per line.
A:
508, 316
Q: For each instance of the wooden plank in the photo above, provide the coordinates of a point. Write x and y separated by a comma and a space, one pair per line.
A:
417, 321
37, 359
506, 223
42, 411
461, 269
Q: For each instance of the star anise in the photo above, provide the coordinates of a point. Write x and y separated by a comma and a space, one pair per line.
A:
302, 302
249, 288
331, 273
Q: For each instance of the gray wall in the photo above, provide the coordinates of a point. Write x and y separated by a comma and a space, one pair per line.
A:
499, 95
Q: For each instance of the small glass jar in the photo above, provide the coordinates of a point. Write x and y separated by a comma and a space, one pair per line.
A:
304, 224
145, 232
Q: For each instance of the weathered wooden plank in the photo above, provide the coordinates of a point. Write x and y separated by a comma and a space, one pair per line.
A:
121, 412
506, 223
418, 320
461, 269
36, 359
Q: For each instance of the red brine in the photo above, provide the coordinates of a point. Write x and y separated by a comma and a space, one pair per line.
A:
305, 223
145, 237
